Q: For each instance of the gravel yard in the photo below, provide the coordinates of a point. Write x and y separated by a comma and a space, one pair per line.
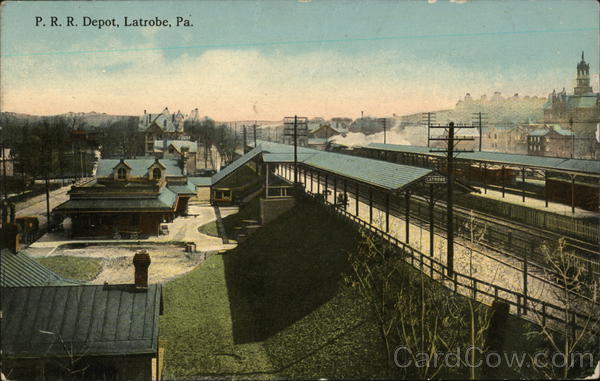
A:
168, 261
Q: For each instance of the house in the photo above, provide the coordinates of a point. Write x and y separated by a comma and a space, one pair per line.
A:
129, 197
97, 332
184, 151
159, 126
506, 138
341, 124
324, 131
551, 141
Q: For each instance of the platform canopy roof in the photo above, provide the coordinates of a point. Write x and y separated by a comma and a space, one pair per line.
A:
557, 164
85, 320
236, 164
389, 176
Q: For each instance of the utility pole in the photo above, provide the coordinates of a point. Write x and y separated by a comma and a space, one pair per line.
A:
450, 150
478, 118
428, 118
4, 159
245, 141
295, 126
572, 137
48, 161
5, 202
384, 121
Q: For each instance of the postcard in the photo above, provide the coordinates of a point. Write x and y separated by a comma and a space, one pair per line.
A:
300, 189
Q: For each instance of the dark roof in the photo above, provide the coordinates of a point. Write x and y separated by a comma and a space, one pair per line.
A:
378, 173
20, 270
91, 320
183, 189
139, 167
236, 164
558, 164
163, 201
201, 181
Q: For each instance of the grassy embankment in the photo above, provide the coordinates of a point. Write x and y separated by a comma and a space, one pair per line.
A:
275, 306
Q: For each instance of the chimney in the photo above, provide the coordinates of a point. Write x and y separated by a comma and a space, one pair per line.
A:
10, 237
141, 262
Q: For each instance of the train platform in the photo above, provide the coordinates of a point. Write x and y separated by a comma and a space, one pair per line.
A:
534, 203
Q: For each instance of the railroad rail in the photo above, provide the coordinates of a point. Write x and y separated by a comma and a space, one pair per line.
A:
533, 309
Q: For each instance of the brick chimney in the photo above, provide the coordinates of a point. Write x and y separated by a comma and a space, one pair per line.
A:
10, 237
141, 262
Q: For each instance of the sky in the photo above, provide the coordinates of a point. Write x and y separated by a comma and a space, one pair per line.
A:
244, 60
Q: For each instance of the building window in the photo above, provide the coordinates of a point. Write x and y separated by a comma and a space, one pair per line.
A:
122, 173
156, 173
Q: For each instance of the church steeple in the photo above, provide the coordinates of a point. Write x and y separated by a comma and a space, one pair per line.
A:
583, 77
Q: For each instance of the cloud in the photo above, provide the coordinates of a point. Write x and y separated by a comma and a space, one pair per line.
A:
229, 84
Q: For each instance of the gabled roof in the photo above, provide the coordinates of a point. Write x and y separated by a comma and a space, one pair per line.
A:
236, 164
378, 173
20, 270
139, 167
90, 320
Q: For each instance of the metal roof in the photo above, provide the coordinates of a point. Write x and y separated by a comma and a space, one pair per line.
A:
183, 189
192, 146
163, 201
378, 173
20, 270
88, 320
236, 164
139, 167
201, 181
559, 164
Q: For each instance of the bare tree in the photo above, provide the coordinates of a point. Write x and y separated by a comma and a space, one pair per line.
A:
577, 294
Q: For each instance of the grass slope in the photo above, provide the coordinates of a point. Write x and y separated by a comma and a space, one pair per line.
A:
273, 307
77, 268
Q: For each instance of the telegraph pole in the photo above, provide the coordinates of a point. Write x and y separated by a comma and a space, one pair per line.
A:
450, 150
428, 118
478, 120
48, 161
384, 121
5, 202
295, 126
449, 189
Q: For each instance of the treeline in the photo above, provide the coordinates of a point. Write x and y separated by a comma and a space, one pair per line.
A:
53, 147
207, 133
120, 138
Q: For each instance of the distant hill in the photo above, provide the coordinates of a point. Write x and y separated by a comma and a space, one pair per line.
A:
91, 119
